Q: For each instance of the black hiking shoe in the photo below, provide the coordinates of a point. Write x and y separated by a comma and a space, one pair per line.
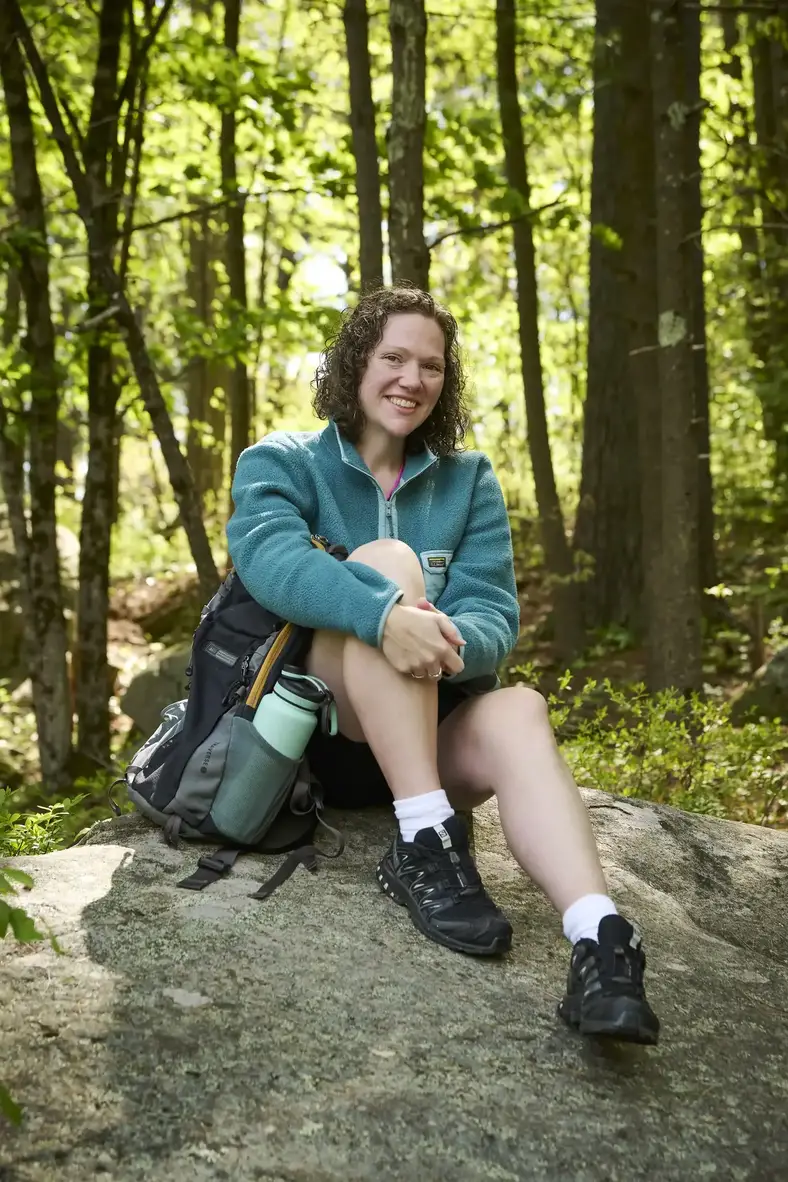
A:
435, 877
605, 993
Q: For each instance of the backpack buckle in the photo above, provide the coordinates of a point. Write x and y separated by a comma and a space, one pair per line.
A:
210, 862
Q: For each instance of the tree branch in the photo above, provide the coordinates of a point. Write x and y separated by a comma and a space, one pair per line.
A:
130, 81
138, 135
491, 227
74, 125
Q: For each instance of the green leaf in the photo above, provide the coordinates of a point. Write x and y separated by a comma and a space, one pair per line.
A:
607, 236
24, 926
17, 876
9, 1108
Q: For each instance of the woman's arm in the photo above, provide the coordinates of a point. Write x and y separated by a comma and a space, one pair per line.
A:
268, 539
480, 595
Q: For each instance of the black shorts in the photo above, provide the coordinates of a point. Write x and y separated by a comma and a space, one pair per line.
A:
348, 771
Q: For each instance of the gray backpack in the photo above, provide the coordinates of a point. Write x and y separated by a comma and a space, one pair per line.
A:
205, 773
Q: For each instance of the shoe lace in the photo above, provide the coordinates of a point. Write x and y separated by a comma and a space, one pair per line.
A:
452, 872
621, 968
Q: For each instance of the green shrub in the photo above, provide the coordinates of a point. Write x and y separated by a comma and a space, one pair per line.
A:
40, 832
671, 749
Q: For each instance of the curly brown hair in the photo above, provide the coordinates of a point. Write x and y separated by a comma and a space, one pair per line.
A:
344, 359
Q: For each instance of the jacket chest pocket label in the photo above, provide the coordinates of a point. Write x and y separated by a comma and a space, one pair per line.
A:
435, 564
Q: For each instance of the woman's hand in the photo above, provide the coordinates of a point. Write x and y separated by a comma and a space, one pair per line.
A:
421, 642
452, 633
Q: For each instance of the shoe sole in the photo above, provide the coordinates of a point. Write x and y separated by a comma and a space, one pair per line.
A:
391, 887
625, 1025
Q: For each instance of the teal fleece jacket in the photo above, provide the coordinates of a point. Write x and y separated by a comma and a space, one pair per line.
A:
449, 511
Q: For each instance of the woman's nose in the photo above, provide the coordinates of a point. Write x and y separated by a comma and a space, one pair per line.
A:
410, 377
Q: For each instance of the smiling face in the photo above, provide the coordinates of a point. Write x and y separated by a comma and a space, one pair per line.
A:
403, 378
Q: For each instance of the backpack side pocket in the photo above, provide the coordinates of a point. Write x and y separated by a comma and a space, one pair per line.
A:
254, 786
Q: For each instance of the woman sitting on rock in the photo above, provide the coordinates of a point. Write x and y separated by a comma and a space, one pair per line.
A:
408, 635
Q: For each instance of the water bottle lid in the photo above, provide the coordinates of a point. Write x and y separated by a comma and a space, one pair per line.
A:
303, 690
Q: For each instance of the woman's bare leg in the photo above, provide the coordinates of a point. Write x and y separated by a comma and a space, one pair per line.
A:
503, 743
397, 715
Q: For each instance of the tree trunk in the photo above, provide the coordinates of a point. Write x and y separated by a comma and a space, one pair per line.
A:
180, 476
91, 671
365, 150
638, 220
205, 439
676, 635
741, 163
556, 548
410, 258
769, 58
45, 623
240, 389
608, 515
693, 221
12, 447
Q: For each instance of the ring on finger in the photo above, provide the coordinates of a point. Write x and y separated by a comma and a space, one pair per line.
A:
436, 676
418, 676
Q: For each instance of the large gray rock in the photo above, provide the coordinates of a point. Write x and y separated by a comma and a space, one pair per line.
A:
163, 680
317, 1037
767, 694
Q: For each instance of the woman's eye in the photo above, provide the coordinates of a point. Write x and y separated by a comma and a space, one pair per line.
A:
390, 357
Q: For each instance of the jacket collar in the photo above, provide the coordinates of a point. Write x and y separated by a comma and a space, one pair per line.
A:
414, 464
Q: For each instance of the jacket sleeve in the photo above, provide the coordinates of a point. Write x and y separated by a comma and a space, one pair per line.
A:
268, 538
481, 593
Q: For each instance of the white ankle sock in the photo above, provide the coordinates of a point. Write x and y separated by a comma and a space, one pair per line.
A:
421, 812
581, 920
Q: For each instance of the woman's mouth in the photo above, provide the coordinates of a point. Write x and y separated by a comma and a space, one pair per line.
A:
403, 404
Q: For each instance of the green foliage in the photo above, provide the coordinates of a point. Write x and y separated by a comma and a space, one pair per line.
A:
38, 832
684, 752
9, 1108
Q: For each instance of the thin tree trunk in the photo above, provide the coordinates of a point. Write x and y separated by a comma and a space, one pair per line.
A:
691, 41
608, 525
769, 59
91, 671
13, 431
208, 381
365, 151
38, 558
557, 551
676, 637
638, 219
240, 389
206, 431
181, 479
741, 163
410, 258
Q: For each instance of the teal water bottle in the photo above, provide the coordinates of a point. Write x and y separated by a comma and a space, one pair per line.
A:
287, 717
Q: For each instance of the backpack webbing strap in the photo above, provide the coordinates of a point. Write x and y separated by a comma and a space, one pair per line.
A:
215, 866
210, 869
306, 856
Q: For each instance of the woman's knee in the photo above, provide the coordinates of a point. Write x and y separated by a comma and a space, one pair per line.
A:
524, 707
516, 712
396, 561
